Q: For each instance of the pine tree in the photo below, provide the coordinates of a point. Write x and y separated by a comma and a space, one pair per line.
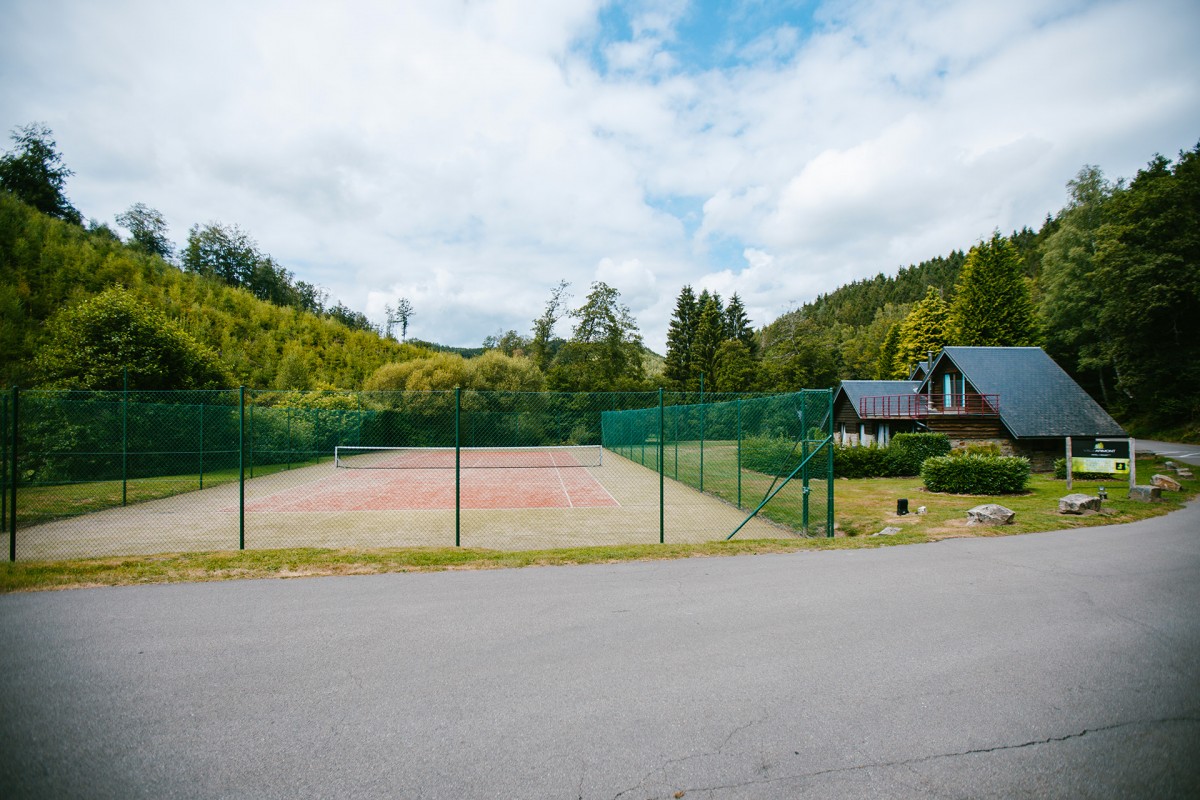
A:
710, 332
992, 307
680, 334
737, 325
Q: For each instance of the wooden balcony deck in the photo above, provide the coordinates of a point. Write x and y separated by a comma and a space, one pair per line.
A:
923, 406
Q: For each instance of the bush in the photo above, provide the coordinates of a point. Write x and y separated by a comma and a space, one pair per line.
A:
862, 462
976, 474
908, 451
770, 456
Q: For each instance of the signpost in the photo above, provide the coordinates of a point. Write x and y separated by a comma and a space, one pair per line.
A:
1104, 456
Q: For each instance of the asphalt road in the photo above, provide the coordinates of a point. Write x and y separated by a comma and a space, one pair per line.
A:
1187, 453
1063, 664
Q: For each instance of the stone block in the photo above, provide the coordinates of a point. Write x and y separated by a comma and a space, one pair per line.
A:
1166, 482
1078, 504
1146, 494
1184, 472
990, 514
888, 531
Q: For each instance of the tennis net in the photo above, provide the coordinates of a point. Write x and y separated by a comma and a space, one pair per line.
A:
356, 457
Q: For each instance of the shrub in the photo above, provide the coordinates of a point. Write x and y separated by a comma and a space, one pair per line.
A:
976, 474
862, 462
770, 456
908, 451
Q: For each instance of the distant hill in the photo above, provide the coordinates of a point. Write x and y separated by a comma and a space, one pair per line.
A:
49, 264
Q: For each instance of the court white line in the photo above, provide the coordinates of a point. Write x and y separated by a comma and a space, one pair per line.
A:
563, 485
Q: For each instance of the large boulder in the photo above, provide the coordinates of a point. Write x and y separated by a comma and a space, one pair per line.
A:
1166, 482
990, 514
1146, 494
1078, 504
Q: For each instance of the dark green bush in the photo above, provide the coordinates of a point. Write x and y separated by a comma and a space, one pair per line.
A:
901, 458
908, 451
862, 462
770, 456
976, 474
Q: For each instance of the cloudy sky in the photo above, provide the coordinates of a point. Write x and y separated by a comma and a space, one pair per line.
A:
469, 154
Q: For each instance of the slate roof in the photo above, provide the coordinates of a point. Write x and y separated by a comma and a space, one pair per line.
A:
856, 390
1037, 398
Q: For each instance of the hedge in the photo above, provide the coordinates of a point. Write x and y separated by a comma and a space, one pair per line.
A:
902, 458
976, 474
909, 451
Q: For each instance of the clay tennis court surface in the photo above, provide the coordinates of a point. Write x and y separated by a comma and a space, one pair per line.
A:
409, 489
322, 506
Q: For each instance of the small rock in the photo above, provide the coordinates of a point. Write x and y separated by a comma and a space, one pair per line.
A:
1164, 482
888, 531
1078, 504
1183, 472
990, 514
1145, 494
922, 510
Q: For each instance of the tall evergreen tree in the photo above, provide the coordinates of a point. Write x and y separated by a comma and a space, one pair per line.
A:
886, 368
677, 369
710, 332
737, 325
992, 307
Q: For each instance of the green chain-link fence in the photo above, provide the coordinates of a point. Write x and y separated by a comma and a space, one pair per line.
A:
113, 473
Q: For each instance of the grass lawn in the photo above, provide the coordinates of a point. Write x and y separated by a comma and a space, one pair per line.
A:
862, 508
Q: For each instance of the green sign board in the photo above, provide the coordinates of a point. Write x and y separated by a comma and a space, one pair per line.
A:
1109, 456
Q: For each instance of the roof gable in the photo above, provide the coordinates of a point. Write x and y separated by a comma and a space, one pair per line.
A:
1037, 398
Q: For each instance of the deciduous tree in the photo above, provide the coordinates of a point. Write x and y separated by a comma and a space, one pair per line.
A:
34, 171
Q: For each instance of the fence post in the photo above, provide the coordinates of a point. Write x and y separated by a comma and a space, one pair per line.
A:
125, 437
288, 411
457, 468
201, 444
829, 465
739, 451
702, 415
4, 460
12, 501
804, 487
241, 468
661, 496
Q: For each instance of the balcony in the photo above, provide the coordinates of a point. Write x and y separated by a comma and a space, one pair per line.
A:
922, 406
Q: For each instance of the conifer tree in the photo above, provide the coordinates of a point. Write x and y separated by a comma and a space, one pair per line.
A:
680, 334
710, 332
992, 307
737, 325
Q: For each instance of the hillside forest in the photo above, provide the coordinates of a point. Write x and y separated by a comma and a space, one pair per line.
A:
1109, 285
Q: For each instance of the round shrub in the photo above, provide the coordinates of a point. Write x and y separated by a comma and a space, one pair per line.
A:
976, 474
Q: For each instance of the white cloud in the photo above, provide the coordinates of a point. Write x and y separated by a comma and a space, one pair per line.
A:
468, 155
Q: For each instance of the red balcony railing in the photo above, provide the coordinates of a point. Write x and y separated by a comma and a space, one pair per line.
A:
919, 406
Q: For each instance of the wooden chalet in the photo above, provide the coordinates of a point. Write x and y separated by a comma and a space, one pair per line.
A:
1015, 397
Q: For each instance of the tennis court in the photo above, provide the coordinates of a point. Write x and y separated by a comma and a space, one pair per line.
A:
322, 506
97, 474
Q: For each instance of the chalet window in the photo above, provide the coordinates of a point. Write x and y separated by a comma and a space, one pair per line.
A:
882, 433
